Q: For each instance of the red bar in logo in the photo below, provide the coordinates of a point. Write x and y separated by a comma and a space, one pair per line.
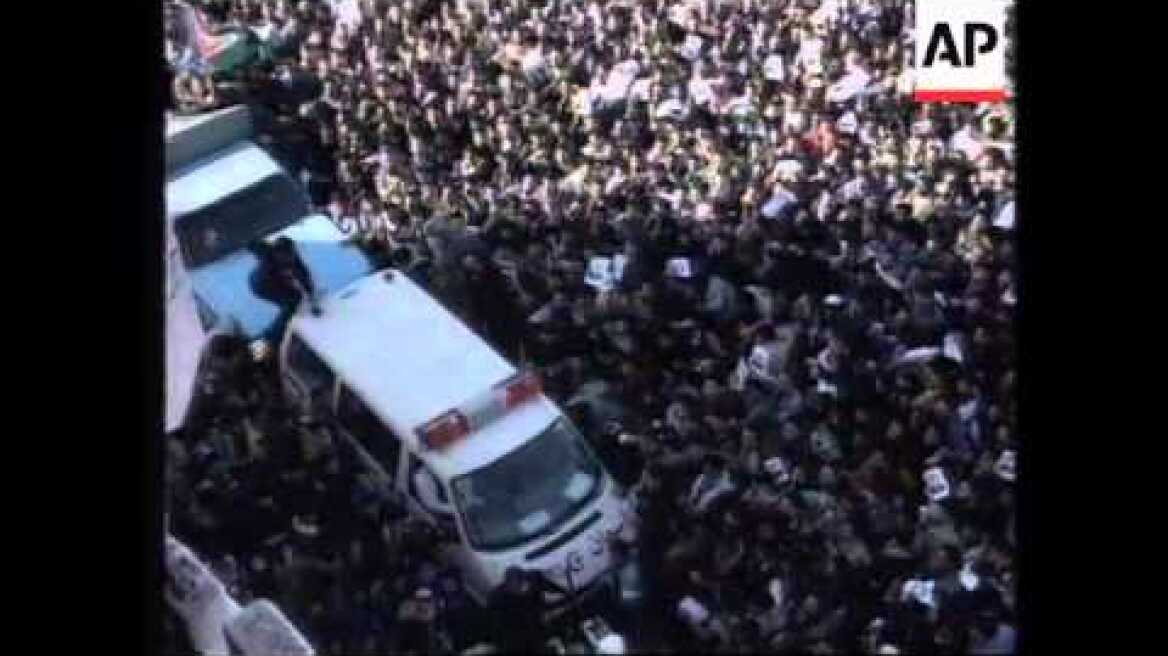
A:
959, 96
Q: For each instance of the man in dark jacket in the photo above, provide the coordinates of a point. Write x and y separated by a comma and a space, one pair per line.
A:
282, 277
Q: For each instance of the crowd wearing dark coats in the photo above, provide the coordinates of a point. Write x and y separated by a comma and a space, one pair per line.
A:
727, 220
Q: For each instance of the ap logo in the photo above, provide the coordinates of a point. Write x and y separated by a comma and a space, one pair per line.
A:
960, 52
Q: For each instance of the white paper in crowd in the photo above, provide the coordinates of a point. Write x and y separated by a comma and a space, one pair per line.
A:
264, 32
967, 410
679, 267
952, 348
639, 91
965, 142
614, 182
586, 101
968, 578
778, 469
1004, 467
692, 610
833, 300
739, 107
809, 55
848, 123
827, 10
627, 69
672, 197
922, 127
775, 204
531, 61
772, 68
789, 168
824, 387
848, 86
1005, 218
701, 91
922, 591
671, 108
599, 273
1008, 296
775, 590
760, 361
616, 89
936, 485
692, 47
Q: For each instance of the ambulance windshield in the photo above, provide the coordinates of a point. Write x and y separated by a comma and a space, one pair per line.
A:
530, 492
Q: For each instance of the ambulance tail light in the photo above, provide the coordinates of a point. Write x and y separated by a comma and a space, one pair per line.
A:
444, 430
521, 388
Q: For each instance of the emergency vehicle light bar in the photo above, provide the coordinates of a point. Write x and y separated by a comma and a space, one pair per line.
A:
456, 423
443, 430
520, 387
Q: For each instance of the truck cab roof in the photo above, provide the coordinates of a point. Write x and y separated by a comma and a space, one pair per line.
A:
409, 360
221, 184
215, 176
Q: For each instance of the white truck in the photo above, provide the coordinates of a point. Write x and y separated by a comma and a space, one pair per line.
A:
224, 192
468, 440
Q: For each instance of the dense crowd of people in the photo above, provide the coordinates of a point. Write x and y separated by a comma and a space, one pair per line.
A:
729, 222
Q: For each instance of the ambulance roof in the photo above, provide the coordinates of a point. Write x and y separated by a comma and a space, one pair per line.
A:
409, 360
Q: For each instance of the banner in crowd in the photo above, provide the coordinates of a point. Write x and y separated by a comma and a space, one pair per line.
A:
209, 52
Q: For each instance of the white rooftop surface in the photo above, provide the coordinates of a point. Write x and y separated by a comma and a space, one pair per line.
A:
176, 123
410, 360
206, 181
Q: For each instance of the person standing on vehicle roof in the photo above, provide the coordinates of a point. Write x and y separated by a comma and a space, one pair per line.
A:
283, 278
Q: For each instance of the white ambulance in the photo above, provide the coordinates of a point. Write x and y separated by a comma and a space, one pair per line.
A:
471, 442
